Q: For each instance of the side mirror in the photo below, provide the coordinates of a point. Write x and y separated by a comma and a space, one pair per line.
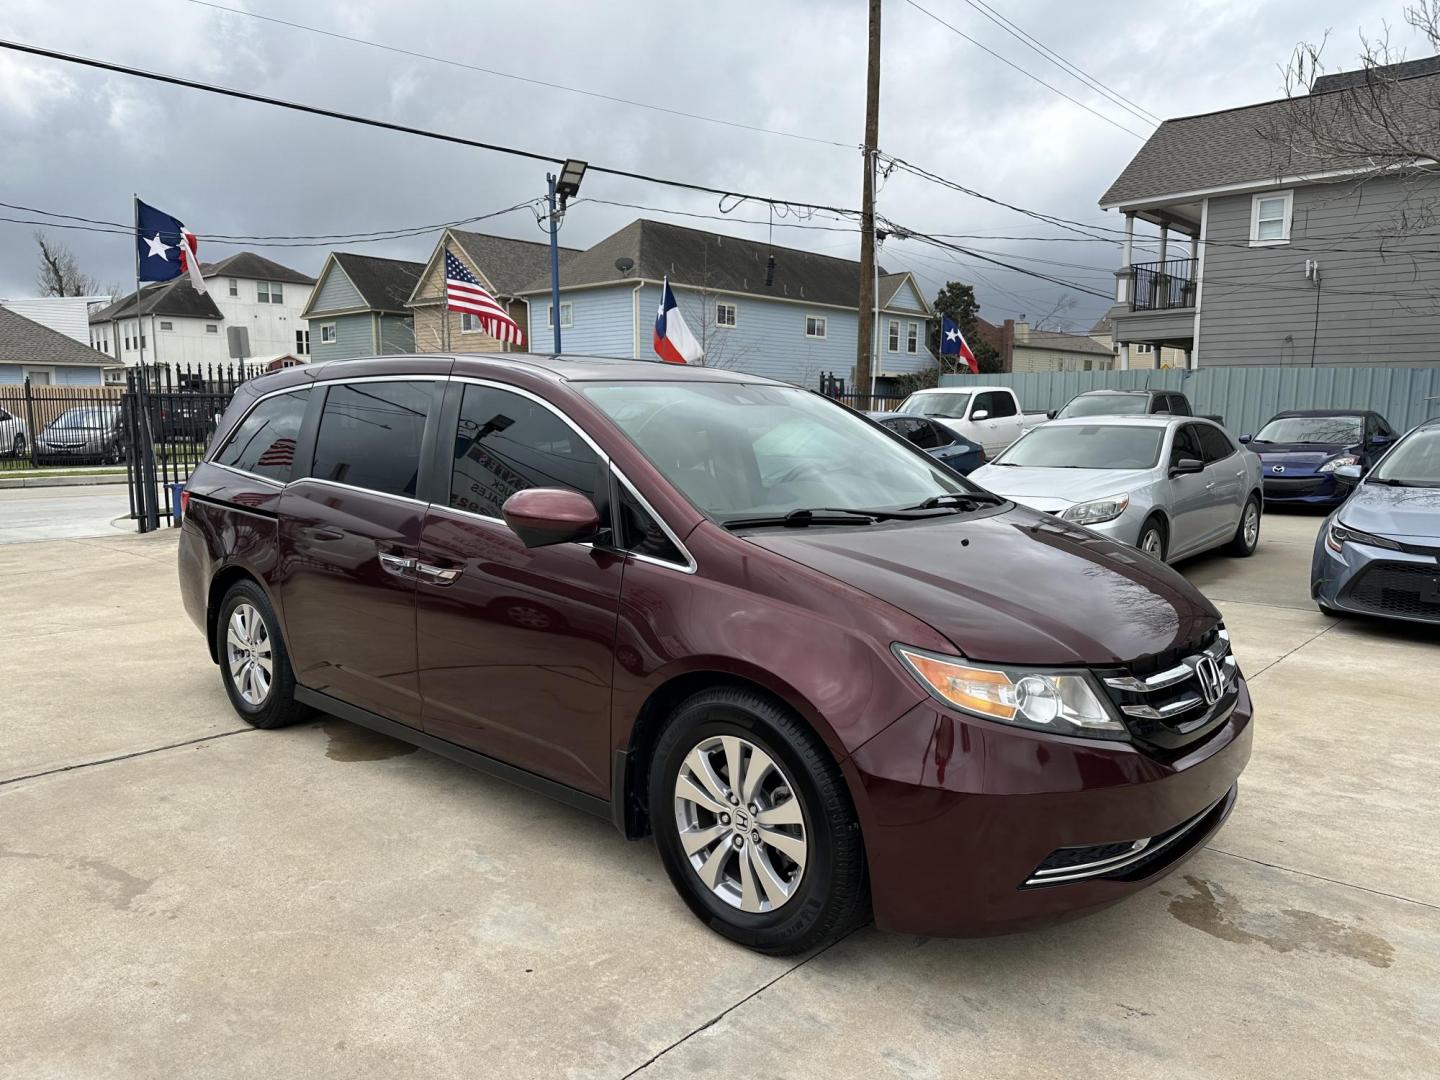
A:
1051, 414
1185, 465
980, 414
541, 517
1351, 473
1246, 438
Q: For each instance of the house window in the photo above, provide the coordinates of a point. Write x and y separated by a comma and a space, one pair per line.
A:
166, 325
912, 338
211, 328
127, 341
269, 292
1270, 218
302, 342
725, 313
234, 287
1143, 349
327, 333
567, 315
893, 335
815, 326
469, 324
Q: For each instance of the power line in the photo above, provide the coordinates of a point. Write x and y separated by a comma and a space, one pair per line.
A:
1036, 45
415, 54
1024, 71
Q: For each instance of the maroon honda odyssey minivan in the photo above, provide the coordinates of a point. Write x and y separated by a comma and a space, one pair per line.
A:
829, 675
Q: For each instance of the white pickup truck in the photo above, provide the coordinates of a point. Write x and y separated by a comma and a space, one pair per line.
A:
988, 415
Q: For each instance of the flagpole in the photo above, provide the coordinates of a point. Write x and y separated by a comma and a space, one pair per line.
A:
146, 464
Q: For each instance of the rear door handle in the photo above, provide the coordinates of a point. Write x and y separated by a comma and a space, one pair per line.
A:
436, 575
397, 564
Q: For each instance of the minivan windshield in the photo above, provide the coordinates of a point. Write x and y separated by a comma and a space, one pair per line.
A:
1415, 462
1087, 446
1320, 430
950, 406
742, 451
1105, 405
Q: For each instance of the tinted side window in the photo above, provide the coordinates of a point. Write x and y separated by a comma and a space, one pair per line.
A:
1186, 445
984, 403
906, 429
1214, 442
1180, 405
507, 443
1001, 404
264, 443
929, 436
641, 533
370, 435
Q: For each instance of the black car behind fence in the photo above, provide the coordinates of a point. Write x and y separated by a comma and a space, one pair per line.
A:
157, 424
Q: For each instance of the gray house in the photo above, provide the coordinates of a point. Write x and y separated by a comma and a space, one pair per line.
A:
1275, 245
357, 307
31, 351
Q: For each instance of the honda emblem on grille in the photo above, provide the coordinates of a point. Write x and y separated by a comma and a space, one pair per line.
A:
1277, 469
1212, 684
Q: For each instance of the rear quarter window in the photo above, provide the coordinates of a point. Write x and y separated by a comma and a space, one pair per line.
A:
264, 442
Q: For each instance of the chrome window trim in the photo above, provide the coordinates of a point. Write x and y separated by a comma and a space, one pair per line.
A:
690, 566
221, 444
537, 399
249, 475
354, 487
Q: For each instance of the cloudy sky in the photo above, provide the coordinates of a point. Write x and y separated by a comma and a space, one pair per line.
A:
78, 141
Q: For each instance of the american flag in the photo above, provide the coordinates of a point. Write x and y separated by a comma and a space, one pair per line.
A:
464, 293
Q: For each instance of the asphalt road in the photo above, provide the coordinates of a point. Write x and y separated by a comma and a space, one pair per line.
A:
181, 896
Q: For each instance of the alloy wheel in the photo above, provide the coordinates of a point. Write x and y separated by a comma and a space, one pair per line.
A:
1151, 543
19, 447
248, 654
1252, 524
740, 823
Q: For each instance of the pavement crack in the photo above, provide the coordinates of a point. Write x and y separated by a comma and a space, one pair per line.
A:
122, 757
1322, 877
1318, 634
731, 1008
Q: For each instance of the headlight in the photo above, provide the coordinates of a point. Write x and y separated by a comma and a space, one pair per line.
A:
1062, 702
1097, 510
1335, 463
1337, 535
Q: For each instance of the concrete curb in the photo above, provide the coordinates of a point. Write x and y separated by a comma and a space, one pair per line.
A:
57, 481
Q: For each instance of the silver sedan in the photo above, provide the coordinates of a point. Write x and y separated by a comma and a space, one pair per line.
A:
1173, 486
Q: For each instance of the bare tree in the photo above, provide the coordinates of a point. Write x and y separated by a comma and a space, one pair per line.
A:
1057, 318
58, 272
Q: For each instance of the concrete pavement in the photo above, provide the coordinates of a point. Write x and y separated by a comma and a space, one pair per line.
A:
54, 513
181, 896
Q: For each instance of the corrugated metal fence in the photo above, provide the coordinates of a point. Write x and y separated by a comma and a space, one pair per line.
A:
1245, 396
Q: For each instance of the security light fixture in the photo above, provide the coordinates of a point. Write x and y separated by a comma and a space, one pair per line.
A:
570, 176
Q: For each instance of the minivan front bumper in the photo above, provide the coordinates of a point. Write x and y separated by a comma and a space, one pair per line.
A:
962, 817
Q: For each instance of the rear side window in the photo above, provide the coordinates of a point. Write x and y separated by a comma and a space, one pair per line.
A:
507, 443
1214, 442
370, 435
264, 443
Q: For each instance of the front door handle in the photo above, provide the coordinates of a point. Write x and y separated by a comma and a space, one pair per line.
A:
1240, 473
396, 564
1210, 485
436, 575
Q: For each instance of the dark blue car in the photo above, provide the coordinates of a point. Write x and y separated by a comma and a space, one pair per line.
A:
956, 451
1301, 449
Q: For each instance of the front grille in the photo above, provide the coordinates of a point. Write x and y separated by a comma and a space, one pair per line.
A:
1132, 859
1167, 701
1292, 488
1401, 589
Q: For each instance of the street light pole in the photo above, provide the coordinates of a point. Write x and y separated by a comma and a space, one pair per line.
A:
554, 262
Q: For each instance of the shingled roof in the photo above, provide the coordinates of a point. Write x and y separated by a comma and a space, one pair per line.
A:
510, 265
709, 260
25, 341
384, 284
246, 264
175, 297
1239, 146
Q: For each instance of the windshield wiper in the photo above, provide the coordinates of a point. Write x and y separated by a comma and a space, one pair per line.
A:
826, 515
979, 498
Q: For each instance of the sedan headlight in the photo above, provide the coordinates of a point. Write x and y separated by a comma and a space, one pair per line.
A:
1338, 535
1334, 463
1062, 702
1097, 510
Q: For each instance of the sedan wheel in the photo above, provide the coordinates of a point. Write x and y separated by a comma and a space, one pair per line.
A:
740, 824
1247, 532
1152, 541
18, 449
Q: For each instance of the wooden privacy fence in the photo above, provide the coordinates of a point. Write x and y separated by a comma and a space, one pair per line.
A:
1245, 396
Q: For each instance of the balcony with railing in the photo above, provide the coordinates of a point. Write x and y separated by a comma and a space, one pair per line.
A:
1163, 286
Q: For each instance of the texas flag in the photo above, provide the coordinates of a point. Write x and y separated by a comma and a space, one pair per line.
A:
164, 248
953, 343
673, 341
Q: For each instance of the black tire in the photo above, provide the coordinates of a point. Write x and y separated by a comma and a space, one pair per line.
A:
1154, 524
277, 707
1239, 546
831, 894
18, 447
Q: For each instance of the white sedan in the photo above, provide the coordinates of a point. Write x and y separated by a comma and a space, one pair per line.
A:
14, 436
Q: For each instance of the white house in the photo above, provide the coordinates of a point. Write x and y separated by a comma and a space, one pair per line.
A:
176, 325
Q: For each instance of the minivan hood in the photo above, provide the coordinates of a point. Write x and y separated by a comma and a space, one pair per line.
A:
1024, 483
1401, 513
1015, 587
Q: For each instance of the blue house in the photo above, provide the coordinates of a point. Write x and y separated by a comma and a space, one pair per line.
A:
800, 325
357, 307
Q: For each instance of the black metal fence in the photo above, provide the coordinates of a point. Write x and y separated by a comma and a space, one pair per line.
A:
64, 426
1160, 286
168, 414
833, 386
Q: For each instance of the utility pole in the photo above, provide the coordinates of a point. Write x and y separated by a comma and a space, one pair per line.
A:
863, 340
554, 261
